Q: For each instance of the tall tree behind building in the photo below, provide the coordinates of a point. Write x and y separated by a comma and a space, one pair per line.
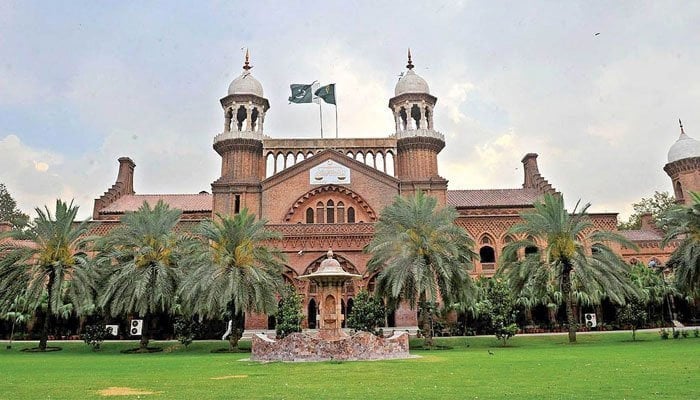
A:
9, 211
655, 205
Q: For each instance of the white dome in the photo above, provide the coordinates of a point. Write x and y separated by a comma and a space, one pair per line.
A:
685, 147
246, 84
411, 83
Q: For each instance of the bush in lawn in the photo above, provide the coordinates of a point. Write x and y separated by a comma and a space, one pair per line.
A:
186, 330
289, 313
663, 334
634, 314
497, 303
95, 334
367, 314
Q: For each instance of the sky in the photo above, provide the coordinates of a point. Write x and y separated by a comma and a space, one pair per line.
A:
595, 88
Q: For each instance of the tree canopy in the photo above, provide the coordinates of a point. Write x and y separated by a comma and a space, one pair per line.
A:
9, 211
683, 223
421, 255
574, 259
655, 205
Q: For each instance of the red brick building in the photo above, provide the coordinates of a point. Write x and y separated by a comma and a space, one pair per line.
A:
327, 193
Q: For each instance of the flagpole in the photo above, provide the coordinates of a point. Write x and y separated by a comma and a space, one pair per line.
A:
320, 113
336, 121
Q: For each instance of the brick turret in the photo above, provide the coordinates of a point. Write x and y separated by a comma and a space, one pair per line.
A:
418, 143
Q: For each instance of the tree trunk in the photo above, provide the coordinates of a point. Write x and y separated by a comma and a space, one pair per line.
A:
236, 329
426, 321
143, 344
566, 291
634, 332
44, 337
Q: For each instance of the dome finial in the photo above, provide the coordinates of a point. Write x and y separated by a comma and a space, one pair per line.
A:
681, 124
410, 63
246, 65
329, 254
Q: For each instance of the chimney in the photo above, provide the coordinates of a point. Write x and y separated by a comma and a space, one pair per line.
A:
126, 175
530, 170
647, 222
5, 227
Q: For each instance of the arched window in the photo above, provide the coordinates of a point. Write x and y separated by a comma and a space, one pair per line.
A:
312, 314
290, 160
529, 250
488, 258
513, 256
390, 164
269, 165
300, 157
351, 215
309, 215
341, 212
319, 213
360, 157
487, 255
369, 159
678, 189
415, 116
279, 162
379, 160
330, 212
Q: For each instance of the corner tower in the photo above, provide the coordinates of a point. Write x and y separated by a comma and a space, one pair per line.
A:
418, 143
240, 146
684, 167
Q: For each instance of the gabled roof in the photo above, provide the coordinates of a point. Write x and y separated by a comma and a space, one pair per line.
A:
492, 198
186, 202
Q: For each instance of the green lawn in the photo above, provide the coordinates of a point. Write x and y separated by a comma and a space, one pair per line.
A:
606, 366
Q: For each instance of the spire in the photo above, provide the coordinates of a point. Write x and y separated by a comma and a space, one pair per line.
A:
246, 65
681, 124
410, 63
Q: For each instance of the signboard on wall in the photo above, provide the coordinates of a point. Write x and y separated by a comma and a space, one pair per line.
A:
329, 172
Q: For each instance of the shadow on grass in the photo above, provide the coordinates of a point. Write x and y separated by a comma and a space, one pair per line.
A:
137, 350
222, 350
38, 350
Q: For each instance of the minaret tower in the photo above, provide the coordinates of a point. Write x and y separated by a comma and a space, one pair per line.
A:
684, 167
240, 146
418, 143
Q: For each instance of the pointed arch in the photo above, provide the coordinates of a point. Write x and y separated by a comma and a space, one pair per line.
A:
350, 198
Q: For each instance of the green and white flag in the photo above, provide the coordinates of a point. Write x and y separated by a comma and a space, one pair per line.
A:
300, 93
327, 93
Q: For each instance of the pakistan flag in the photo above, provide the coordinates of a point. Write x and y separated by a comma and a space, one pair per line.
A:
300, 93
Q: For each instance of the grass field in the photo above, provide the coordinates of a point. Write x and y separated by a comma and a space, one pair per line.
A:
606, 366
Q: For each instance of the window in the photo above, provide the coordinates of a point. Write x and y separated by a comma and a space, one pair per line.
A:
319, 212
351, 215
237, 204
487, 255
330, 212
341, 212
309, 215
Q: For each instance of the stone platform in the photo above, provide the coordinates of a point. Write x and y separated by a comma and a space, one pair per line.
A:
304, 347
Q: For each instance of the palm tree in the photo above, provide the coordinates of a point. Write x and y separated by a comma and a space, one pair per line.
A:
581, 273
140, 259
422, 256
52, 265
684, 224
232, 270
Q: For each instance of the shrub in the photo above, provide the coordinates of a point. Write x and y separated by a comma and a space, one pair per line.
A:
367, 314
676, 334
684, 333
289, 313
663, 334
186, 330
696, 332
95, 334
